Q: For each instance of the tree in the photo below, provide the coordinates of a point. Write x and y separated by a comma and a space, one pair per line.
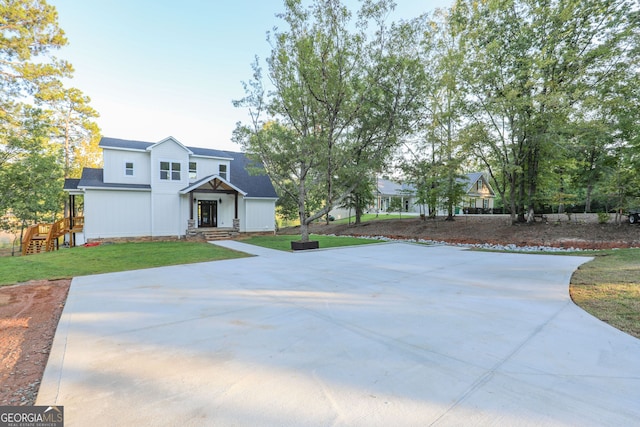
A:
31, 178
29, 31
422, 174
361, 196
531, 64
438, 153
395, 205
339, 104
30, 163
75, 128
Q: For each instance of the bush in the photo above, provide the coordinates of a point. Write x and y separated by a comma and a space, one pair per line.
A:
603, 217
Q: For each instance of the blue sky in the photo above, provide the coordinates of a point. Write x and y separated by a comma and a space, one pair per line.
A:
155, 68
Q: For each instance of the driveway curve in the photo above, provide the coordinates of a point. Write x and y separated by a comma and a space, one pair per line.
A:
375, 335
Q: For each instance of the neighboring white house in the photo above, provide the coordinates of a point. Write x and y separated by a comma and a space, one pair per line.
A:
478, 197
168, 189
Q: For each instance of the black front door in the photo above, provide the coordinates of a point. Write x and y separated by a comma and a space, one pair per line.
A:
207, 213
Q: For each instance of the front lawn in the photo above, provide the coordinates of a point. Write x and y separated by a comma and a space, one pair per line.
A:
283, 242
107, 258
374, 217
609, 288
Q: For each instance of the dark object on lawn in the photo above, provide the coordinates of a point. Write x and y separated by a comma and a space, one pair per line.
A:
301, 246
634, 216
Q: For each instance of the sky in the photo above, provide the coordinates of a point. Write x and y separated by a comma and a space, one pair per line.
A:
158, 68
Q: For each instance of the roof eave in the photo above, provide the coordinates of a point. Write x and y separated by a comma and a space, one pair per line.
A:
210, 178
97, 187
203, 156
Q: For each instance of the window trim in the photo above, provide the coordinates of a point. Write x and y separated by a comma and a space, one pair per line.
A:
224, 176
170, 171
126, 169
193, 173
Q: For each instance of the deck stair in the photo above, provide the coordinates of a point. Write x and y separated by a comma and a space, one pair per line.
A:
45, 237
35, 239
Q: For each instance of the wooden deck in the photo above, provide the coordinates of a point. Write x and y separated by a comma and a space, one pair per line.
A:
46, 237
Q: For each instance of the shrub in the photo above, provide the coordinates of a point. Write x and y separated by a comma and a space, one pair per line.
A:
603, 217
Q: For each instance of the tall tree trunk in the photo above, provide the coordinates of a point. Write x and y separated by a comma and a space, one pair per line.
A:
520, 200
304, 230
358, 210
532, 177
304, 225
513, 208
587, 201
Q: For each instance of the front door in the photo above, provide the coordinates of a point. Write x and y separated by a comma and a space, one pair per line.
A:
207, 213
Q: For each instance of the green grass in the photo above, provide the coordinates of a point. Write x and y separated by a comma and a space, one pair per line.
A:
82, 261
283, 242
609, 288
373, 217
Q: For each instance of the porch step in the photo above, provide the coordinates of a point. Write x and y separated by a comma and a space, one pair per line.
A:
219, 234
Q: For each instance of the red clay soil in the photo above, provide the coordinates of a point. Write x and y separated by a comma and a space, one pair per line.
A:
29, 315
583, 231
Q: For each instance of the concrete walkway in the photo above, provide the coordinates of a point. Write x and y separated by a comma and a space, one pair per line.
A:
376, 335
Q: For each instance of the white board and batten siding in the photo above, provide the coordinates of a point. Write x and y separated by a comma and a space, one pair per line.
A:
115, 162
116, 213
165, 215
166, 207
257, 215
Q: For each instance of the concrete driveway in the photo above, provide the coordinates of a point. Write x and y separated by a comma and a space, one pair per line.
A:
376, 335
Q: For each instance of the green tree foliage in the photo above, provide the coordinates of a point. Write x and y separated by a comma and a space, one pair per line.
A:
30, 173
426, 180
30, 161
341, 100
75, 129
531, 66
395, 205
434, 165
28, 33
362, 195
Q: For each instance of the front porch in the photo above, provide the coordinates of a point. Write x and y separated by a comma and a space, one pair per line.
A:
213, 208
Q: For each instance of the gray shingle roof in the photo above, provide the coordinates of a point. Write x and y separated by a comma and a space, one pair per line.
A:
387, 187
71, 184
93, 177
253, 185
469, 180
129, 144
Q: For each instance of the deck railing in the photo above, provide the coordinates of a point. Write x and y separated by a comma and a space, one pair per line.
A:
44, 237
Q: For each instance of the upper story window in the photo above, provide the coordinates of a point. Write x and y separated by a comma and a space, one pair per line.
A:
479, 185
222, 171
193, 170
128, 169
170, 171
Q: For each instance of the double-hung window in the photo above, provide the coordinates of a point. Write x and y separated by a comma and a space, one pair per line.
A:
222, 171
128, 168
170, 171
193, 170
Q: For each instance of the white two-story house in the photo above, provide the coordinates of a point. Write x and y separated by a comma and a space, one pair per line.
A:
167, 189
